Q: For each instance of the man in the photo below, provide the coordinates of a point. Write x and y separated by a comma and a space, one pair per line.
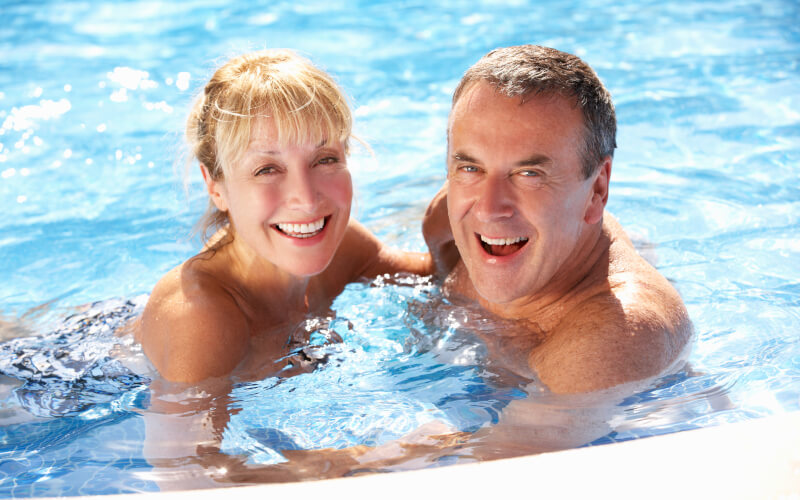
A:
531, 138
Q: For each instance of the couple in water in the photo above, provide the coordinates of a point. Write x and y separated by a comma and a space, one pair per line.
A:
519, 228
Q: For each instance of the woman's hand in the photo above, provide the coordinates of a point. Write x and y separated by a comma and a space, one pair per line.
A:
438, 235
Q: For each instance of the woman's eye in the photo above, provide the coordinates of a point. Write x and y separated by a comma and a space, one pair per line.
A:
266, 170
328, 160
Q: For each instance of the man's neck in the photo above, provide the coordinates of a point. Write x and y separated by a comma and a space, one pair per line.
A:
587, 266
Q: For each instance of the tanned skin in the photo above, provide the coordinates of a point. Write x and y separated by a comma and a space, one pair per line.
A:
591, 313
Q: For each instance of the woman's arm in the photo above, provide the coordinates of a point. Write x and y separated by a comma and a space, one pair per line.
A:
183, 423
370, 257
377, 258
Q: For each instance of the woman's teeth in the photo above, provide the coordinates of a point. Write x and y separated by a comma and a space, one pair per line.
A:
302, 230
502, 241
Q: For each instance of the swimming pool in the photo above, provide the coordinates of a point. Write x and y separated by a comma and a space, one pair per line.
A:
92, 101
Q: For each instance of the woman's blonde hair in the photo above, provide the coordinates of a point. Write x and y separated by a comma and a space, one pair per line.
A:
304, 102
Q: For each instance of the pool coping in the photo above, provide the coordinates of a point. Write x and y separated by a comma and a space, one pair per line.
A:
754, 459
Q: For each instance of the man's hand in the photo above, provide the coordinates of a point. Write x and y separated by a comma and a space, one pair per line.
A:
438, 235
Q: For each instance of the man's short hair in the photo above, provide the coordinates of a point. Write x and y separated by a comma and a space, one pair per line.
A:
528, 70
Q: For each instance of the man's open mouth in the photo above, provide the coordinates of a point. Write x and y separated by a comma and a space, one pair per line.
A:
500, 247
306, 230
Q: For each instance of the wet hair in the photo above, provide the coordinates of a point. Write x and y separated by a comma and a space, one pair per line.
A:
529, 70
304, 102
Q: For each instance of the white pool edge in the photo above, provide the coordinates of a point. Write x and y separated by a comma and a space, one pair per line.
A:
754, 459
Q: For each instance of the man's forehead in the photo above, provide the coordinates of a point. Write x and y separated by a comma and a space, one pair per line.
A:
486, 126
476, 95
482, 98
482, 92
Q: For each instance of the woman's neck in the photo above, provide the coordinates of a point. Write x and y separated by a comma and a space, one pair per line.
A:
262, 283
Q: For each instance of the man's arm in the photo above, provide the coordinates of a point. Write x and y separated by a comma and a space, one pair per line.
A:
541, 423
438, 235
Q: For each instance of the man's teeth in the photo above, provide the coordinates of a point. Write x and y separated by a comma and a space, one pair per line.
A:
303, 230
502, 241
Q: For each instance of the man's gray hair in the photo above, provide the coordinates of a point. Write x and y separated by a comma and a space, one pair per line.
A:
528, 70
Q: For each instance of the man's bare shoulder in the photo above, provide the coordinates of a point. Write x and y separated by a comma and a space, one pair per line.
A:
606, 342
192, 328
633, 327
646, 295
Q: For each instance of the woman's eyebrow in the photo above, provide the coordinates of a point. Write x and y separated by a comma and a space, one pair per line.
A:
322, 143
263, 152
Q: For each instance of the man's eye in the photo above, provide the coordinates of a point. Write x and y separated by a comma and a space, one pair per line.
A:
468, 168
528, 173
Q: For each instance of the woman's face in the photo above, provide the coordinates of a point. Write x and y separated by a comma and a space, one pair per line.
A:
290, 204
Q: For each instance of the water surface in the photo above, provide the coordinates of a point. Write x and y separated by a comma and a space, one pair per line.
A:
93, 97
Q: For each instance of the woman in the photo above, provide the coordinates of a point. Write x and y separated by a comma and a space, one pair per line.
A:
270, 132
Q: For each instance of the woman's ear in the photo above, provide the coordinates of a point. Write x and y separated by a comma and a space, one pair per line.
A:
215, 190
599, 193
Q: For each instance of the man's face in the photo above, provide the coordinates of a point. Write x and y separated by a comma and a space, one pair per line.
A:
517, 201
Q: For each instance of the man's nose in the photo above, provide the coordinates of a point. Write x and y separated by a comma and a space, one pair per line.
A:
301, 192
494, 200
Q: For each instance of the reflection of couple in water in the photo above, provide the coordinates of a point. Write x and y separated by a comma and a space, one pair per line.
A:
519, 231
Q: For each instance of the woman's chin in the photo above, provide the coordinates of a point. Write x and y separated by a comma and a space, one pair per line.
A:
307, 269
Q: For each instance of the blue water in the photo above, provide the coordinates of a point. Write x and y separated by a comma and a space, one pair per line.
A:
92, 102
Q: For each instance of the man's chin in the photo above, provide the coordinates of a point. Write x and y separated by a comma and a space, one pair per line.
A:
496, 286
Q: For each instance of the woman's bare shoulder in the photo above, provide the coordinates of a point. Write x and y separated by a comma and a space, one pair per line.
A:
192, 327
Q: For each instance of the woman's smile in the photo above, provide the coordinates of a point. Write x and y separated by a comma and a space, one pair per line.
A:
302, 230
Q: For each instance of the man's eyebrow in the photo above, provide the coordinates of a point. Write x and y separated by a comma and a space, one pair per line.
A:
535, 160
464, 157
531, 161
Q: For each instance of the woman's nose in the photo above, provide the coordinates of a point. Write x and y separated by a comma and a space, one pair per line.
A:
301, 191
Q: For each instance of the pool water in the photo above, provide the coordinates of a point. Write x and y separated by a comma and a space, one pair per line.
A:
92, 103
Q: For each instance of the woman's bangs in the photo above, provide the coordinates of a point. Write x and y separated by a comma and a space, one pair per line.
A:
313, 121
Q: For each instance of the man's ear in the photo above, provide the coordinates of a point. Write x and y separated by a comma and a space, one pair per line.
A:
599, 192
214, 190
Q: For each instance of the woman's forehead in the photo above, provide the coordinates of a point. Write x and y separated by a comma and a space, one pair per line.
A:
265, 130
